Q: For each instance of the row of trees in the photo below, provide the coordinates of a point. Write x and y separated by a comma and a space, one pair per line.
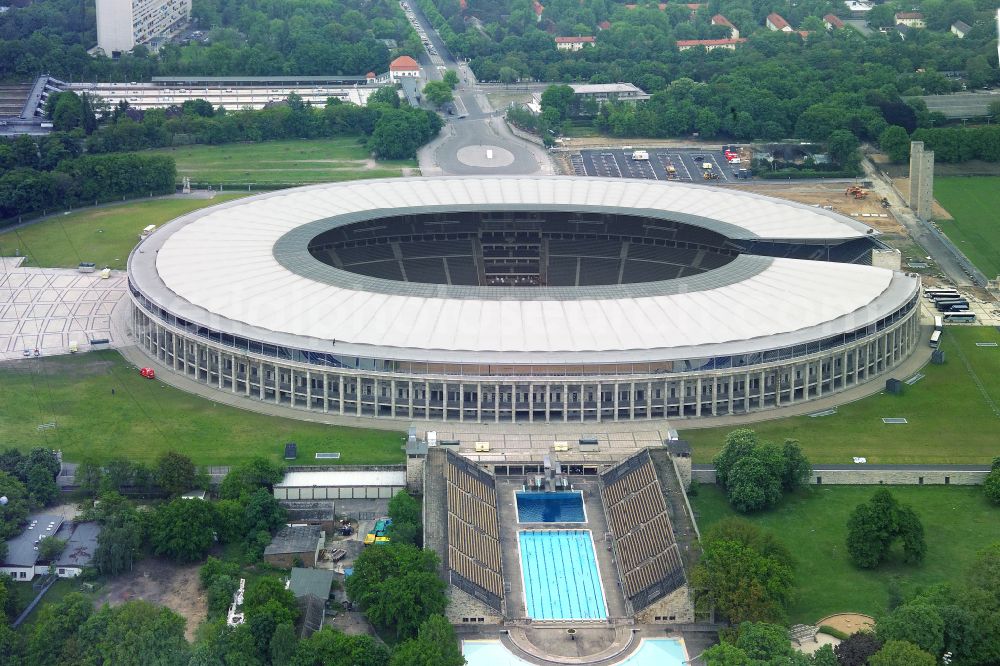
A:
45, 175
756, 474
254, 38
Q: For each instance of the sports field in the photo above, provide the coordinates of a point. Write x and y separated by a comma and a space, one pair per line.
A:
282, 163
144, 418
958, 522
953, 415
103, 235
973, 202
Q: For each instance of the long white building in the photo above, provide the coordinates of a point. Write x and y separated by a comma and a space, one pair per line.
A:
124, 24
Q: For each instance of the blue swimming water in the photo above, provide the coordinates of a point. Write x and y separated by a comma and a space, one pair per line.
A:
561, 581
557, 507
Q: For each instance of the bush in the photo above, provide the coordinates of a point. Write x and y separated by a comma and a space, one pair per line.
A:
833, 631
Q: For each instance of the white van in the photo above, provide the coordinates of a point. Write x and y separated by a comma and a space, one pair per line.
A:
641, 155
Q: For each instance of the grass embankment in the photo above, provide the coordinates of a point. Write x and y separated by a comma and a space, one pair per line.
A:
973, 203
958, 522
103, 235
143, 418
282, 163
949, 416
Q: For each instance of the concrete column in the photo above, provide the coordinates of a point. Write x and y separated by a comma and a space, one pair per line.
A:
715, 393
357, 395
479, 402
410, 396
548, 402
496, 402
340, 379
565, 403
615, 402
746, 393
326, 392
531, 403
631, 402
392, 398
427, 400
600, 403
461, 402
277, 384
232, 358
697, 408
777, 387
683, 398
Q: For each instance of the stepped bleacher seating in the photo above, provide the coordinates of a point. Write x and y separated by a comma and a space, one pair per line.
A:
599, 271
647, 271
425, 270
387, 270
365, 253
585, 247
562, 271
463, 270
648, 557
438, 248
473, 531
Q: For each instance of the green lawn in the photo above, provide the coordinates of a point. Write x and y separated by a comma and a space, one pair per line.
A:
274, 163
973, 203
145, 418
949, 418
102, 235
957, 521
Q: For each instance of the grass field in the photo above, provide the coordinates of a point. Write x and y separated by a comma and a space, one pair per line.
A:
102, 235
957, 521
949, 418
973, 203
281, 163
146, 418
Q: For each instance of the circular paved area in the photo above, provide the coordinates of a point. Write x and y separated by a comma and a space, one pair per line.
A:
485, 156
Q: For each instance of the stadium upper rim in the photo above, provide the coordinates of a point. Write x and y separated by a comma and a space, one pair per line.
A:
239, 267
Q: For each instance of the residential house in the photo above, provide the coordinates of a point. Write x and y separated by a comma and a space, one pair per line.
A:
832, 22
709, 44
776, 23
719, 19
960, 28
574, 43
910, 19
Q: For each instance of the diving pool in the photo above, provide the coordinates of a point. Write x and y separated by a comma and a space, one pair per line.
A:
559, 571
557, 507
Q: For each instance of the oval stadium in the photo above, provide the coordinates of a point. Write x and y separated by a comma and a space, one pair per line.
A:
517, 299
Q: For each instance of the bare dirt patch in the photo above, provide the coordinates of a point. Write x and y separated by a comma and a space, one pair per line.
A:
161, 582
903, 185
848, 623
832, 195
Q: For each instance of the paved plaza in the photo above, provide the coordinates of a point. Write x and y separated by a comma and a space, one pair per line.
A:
49, 308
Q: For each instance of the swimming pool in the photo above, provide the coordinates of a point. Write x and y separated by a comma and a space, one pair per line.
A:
558, 507
561, 580
651, 652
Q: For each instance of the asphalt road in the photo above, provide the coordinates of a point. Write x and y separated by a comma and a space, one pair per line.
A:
688, 164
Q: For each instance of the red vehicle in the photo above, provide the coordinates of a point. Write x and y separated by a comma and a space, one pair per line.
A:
148, 373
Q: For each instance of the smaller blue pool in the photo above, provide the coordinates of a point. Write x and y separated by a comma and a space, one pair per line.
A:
557, 507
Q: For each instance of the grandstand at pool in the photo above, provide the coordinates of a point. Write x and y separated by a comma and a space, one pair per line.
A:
556, 507
561, 580
651, 652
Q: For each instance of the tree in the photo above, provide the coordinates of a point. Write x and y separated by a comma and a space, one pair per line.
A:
183, 529
229, 521
796, 469
857, 649
120, 542
53, 637
435, 645
263, 513
739, 444
246, 478
88, 476
42, 488
13, 513
405, 514
175, 472
843, 148
66, 111
757, 644
135, 633
283, 643
50, 548
901, 653
450, 78
876, 524
508, 75
895, 143
559, 99
755, 474
268, 590
916, 622
991, 485
397, 587
741, 575
399, 132
437, 93
330, 647
385, 96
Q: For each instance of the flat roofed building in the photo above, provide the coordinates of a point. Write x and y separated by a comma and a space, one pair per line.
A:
371, 483
292, 542
124, 24
709, 44
910, 19
21, 561
79, 551
604, 92
574, 43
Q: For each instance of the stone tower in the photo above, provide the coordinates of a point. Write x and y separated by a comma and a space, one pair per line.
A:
921, 180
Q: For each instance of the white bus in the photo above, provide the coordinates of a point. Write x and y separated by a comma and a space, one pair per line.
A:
960, 317
935, 339
938, 323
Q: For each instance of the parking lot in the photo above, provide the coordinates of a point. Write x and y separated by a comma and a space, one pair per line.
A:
677, 164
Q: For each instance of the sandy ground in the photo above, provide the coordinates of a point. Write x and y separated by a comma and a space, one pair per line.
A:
161, 582
831, 194
849, 623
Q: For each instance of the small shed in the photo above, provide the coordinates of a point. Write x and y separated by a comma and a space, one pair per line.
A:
291, 451
315, 582
295, 541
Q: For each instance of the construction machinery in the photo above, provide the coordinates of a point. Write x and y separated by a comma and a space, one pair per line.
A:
710, 175
856, 191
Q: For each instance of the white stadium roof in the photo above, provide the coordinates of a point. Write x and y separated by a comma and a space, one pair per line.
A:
218, 267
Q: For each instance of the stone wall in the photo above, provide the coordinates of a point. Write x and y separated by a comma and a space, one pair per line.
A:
415, 474
675, 608
874, 477
463, 609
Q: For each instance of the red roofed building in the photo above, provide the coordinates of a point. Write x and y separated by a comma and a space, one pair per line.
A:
538, 8
403, 67
910, 19
832, 22
604, 25
776, 23
574, 43
709, 44
719, 19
